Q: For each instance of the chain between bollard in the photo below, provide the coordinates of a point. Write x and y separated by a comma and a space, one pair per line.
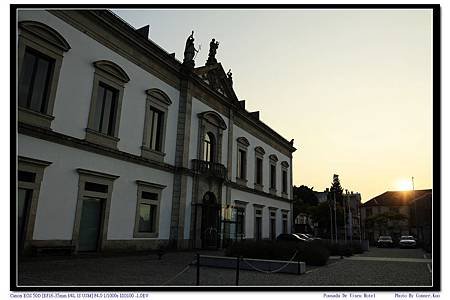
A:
177, 275
276, 270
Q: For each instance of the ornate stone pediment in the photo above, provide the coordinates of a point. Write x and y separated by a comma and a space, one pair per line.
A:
260, 150
159, 95
213, 118
112, 69
243, 141
273, 157
215, 76
45, 33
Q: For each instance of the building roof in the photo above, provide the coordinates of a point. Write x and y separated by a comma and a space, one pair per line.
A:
397, 198
170, 61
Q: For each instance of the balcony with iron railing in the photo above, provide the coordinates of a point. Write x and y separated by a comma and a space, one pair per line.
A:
209, 169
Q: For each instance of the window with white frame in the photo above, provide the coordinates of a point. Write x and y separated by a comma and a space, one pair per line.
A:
147, 209
273, 173
285, 221
284, 179
273, 222
40, 55
156, 111
209, 147
241, 170
240, 208
106, 103
259, 158
258, 221
30, 174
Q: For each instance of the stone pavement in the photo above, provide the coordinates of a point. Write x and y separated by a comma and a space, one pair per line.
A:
147, 270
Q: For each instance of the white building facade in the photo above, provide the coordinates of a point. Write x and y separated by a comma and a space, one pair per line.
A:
121, 147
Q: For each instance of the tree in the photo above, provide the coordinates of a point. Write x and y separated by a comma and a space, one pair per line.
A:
384, 221
321, 215
306, 194
336, 190
304, 200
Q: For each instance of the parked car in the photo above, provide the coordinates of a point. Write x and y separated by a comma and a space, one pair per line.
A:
407, 241
291, 237
385, 241
305, 236
312, 237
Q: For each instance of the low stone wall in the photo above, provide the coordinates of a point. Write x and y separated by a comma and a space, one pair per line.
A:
265, 265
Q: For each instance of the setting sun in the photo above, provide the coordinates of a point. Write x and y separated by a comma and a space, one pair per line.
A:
404, 185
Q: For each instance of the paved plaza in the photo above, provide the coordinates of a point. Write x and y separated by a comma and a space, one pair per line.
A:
377, 267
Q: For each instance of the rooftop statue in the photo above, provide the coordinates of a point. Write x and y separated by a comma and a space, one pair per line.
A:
189, 51
230, 78
212, 52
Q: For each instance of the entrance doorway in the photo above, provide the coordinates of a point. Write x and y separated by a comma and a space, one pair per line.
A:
90, 224
210, 221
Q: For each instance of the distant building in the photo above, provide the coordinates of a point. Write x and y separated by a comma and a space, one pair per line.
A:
352, 203
322, 196
423, 230
353, 214
303, 223
394, 203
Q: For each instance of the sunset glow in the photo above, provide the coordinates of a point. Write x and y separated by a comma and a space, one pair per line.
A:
404, 185
353, 88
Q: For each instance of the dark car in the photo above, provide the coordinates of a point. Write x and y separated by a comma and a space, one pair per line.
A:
312, 237
407, 241
385, 241
291, 237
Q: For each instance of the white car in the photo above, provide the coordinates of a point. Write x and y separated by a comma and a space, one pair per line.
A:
407, 241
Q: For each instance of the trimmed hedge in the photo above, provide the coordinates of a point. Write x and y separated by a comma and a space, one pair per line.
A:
344, 249
312, 253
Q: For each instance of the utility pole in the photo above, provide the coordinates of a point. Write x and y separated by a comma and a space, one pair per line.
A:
345, 220
415, 208
331, 222
359, 219
350, 217
335, 224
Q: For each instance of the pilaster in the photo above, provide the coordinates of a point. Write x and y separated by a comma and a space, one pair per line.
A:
181, 161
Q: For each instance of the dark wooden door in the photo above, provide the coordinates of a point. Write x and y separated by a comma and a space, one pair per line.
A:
210, 226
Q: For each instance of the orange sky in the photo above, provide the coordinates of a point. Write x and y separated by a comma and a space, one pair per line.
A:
352, 87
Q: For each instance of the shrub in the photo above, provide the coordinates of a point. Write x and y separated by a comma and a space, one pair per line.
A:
312, 253
357, 248
344, 249
333, 248
281, 250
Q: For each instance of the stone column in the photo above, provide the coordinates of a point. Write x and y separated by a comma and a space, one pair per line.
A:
181, 163
229, 155
291, 195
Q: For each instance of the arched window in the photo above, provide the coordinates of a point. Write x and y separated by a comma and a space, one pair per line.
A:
209, 147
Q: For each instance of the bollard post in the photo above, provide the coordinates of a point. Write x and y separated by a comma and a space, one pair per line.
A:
237, 270
198, 269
